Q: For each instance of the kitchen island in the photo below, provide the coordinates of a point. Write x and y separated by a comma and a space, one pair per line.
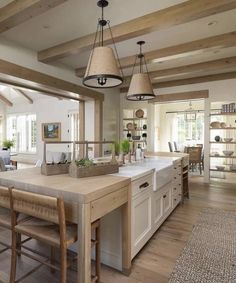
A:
132, 205
86, 200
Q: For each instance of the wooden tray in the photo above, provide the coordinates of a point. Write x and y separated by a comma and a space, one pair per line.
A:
96, 170
54, 169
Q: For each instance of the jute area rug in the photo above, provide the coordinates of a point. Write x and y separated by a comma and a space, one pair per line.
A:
210, 254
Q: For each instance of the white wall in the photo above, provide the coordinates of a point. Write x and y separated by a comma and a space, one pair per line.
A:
47, 110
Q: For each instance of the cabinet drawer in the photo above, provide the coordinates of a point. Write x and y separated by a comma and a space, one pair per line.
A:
142, 184
176, 190
177, 178
167, 199
176, 200
178, 171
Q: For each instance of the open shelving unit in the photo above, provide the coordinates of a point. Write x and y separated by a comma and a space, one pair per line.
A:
225, 132
140, 127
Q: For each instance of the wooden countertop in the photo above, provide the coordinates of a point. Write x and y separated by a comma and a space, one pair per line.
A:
82, 190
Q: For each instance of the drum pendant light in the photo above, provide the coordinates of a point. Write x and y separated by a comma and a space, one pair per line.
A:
103, 70
140, 88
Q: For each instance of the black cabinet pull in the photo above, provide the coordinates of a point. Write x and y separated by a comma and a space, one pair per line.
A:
164, 196
175, 199
144, 185
175, 189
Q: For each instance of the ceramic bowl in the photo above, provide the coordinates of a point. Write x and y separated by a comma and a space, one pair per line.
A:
130, 126
215, 124
223, 125
220, 167
228, 152
228, 139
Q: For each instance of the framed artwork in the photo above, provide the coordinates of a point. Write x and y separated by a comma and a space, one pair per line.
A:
51, 132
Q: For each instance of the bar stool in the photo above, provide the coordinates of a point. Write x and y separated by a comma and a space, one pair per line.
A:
47, 225
5, 214
5, 218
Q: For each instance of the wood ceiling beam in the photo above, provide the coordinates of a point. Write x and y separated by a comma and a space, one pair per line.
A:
180, 96
179, 51
5, 100
42, 80
18, 12
189, 81
208, 66
178, 14
20, 91
23, 87
196, 80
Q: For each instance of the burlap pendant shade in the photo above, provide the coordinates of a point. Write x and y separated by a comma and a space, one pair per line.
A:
102, 67
140, 88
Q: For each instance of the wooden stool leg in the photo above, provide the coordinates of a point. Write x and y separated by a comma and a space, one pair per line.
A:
18, 243
13, 258
52, 258
63, 252
98, 254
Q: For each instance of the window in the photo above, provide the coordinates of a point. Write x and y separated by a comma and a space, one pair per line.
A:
74, 126
22, 129
191, 132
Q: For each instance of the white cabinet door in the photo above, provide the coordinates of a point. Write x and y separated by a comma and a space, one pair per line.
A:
157, 209
167, 201
141, 221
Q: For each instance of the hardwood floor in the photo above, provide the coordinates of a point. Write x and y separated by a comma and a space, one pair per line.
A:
157, 259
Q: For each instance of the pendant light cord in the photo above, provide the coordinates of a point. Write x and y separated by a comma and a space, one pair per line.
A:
113, 41
102, 24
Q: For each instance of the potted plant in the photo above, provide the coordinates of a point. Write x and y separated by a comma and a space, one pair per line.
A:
125, 148
8, 144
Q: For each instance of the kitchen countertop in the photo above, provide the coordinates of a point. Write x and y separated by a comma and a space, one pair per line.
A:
144, 167
84, 189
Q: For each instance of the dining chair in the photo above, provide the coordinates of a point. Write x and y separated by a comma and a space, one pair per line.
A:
176, 147
195, 157
170, 146
47, 225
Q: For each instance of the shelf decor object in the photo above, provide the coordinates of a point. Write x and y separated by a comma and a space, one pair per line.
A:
215, 124
140, 88
85, 167
54, 168
102, 69
139, 113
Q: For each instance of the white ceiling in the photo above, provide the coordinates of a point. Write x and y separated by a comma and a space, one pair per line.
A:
76, 18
